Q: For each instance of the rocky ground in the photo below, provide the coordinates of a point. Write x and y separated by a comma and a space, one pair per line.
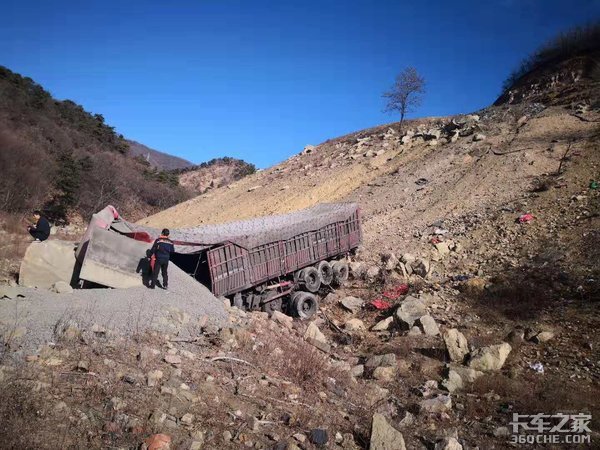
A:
474, 296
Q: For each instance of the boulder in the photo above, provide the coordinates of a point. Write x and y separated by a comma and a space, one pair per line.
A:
420, 267
357, 269
385, 373
408, 258
490, 358
449, 443
432, 134
386, 360
282, 319
410, 311
47, 262
443, 248
438, 404
357, 370
467, 375
384, 324
174, 360
544, 336
187, 419
516, 337
372, 273
314, 337
453, 382
384, 436
62, 287
430, 327
318, 436
355, 325
457, 345
353, 304
478, 137
390, 262
415, 331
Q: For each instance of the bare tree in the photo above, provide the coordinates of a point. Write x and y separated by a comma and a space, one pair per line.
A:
406, 93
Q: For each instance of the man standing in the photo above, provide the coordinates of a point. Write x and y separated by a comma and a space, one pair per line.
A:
161, 253
41, 230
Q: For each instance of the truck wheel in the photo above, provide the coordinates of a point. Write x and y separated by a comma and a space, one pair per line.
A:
311, 279
340, 272
325, 272
298, 276
304, 305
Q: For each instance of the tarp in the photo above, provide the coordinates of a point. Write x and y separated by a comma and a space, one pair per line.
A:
246, 233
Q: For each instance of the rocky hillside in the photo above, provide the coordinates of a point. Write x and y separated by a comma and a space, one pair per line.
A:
473, 297
219, 172
156, 159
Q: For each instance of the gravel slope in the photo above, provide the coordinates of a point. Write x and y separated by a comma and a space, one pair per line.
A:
26, 323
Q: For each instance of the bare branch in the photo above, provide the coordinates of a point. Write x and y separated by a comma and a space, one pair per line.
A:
406, 93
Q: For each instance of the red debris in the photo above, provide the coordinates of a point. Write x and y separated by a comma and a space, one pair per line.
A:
525, 218
380, 304
435, 240
396, 292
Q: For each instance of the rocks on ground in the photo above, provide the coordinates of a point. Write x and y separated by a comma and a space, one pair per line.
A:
489, 358
315, 337
457, 345
410, 311
352, 304
384, 436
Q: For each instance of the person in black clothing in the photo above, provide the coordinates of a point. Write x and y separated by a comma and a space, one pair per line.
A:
161, 252
41, 230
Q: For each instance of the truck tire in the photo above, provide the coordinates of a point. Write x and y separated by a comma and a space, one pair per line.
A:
325, 272
304, 305
298, 276
311, 279
340, 272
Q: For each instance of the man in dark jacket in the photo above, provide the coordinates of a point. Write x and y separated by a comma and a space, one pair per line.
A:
41, 230
161, 253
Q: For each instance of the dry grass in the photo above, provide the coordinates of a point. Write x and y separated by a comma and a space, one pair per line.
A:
534, 394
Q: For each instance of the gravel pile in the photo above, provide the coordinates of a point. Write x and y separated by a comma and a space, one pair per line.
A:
28, 322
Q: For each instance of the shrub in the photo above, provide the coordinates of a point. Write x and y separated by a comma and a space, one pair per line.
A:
27, 174
575, 42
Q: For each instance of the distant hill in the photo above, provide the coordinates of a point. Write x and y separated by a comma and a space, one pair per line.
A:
157, 159
56, 156
215, 173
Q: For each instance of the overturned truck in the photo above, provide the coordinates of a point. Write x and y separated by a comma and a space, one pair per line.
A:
273, 263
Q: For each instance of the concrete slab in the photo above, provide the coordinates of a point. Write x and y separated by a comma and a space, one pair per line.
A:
47, 262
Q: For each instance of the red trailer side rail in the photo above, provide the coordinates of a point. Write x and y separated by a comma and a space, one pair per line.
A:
234, 268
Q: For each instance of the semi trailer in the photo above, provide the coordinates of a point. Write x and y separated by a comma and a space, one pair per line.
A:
273, 263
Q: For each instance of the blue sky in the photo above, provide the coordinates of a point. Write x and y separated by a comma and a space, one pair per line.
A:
257, 79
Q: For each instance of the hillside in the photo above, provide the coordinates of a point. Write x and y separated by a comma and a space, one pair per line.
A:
218, 172
76, 163
473, 297
156, 159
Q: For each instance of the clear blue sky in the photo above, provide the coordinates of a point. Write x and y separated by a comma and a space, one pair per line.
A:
260, 79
